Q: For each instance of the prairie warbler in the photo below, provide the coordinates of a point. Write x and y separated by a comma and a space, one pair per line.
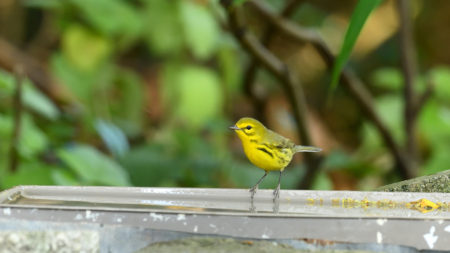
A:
267, 149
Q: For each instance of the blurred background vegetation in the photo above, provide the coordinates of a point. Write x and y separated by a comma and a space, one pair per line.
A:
141, 93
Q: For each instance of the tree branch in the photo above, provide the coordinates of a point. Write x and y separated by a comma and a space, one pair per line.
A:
290, 83
424, 97
10, 57
408, 64
352, 83
252, 68
15, 138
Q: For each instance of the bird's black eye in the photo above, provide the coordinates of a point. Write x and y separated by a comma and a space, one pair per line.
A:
248, 127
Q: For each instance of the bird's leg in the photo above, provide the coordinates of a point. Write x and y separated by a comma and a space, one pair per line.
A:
276, 192
255, 187
252, 206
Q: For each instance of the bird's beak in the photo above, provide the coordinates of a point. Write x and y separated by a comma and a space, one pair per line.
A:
234, 127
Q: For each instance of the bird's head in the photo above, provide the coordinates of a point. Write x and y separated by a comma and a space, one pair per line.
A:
249, 128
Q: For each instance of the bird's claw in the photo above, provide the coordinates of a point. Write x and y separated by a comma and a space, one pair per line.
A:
253, 191
276, 194
252, 206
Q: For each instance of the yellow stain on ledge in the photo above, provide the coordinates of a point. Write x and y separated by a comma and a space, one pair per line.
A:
423, 205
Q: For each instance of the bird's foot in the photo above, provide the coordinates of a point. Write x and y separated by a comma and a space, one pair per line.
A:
253, 191
276, 207
252, 208
276, 194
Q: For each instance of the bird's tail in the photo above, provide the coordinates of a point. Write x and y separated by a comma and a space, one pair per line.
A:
299, 148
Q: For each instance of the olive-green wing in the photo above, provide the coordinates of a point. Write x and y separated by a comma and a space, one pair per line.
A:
281, 143
277, 141
283, 147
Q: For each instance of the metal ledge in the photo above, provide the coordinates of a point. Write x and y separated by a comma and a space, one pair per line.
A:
419, 220
293, 203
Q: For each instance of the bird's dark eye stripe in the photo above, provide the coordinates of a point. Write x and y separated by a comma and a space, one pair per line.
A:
266, 151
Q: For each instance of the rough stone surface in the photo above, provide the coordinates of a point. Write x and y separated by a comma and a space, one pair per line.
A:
227, 245
439, 182
49, 241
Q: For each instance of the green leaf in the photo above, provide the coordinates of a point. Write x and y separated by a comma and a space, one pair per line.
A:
322, 182
438, 161
390, 109
6, 83
84, 49
199, 96
63, 177
192, 93
441, 79
200, 29
337, 160
152, 166
388, 78
3, 171
73, 79
357, 21
371, 138
434, 123
29, 174
5, 135
38, 102
129, 95
163, 27
88, 87
238, 2
113, 137
32, 139
116, 19
230, 67
93, 167
45, 4
32, 98
310, 15
170, 75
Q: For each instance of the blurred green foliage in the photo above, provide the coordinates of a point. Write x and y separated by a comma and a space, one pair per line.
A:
433, 121
191, 149
151, 84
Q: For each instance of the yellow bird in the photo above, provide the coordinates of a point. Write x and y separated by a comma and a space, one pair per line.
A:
267, 149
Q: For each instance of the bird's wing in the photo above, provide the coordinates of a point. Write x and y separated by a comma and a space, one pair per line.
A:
276, 141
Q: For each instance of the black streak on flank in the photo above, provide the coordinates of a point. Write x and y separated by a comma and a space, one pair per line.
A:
266, 151
253, 140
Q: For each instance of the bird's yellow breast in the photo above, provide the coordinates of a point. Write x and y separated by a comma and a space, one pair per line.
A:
265, 157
